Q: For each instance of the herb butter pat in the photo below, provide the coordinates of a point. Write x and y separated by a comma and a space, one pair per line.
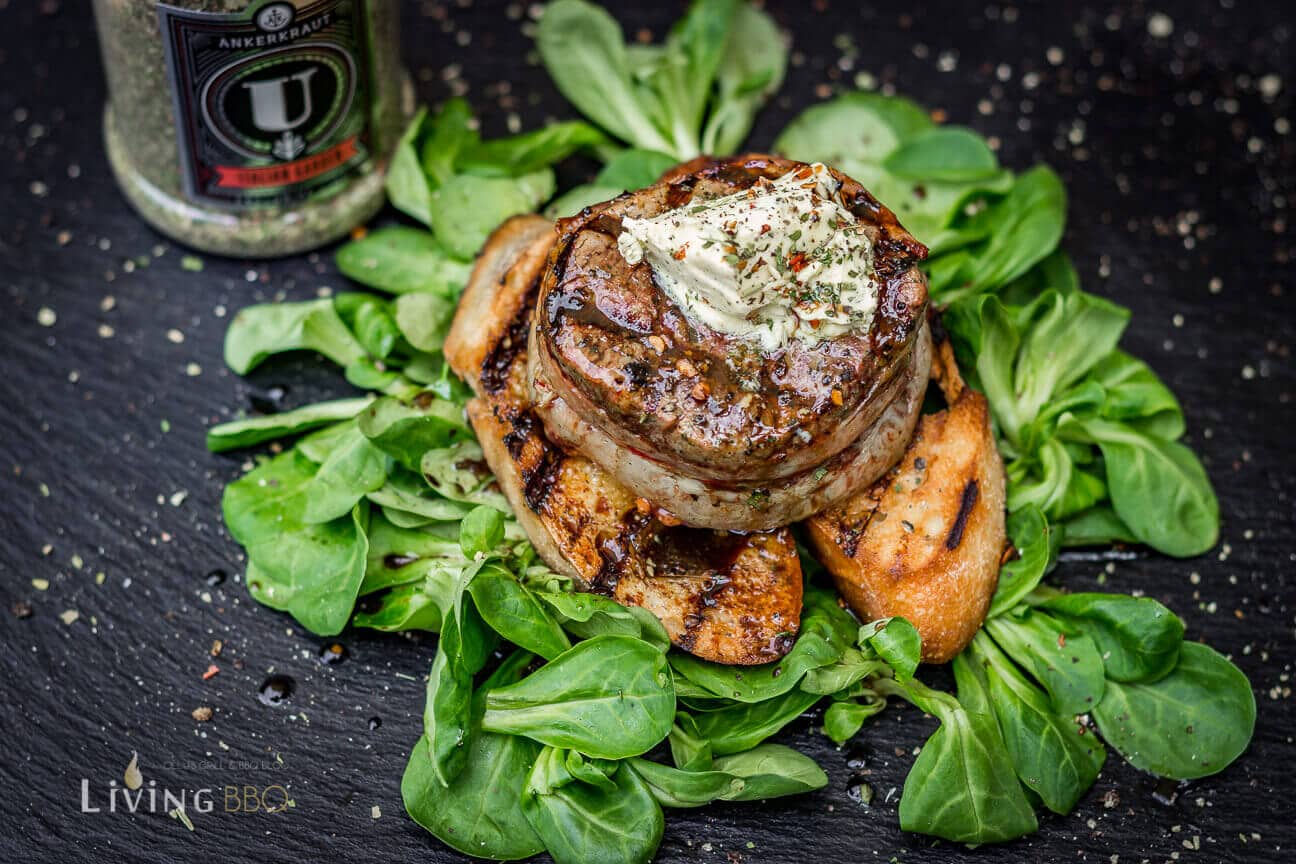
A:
779, 261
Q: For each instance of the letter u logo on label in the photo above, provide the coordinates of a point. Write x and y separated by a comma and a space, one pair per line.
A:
270, 101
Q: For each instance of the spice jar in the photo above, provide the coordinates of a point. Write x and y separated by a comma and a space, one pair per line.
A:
252, 128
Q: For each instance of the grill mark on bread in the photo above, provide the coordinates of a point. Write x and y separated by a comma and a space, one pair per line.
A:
616, 550
969, 499
539, 472
499, 360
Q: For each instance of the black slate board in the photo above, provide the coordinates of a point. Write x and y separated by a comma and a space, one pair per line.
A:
1178, 155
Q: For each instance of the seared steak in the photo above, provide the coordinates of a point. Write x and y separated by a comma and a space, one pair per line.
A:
715, 430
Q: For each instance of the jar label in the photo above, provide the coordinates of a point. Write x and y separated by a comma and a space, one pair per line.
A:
271, 104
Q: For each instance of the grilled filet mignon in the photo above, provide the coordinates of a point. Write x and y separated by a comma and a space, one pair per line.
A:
711, 428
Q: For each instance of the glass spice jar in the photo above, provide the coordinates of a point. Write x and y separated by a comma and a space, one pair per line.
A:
252, 128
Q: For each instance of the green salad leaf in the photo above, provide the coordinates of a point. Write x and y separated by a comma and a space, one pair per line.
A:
403, 260
1190, 723
238, 434
311, 570
1050, 752
701, 88
608, 697
962, 786
480, 812
590, 811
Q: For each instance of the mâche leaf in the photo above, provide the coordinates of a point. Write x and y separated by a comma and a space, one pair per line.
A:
962, 786
404, 607
1138, 638
1036, 545
750, 72
407, 186
843, 720
897, 642
251, 431
757, 774
743, 725
312, 571
1190, 723
1064, 660
481, 531
402, 260
1158, 488
514, 612
529, 151
946, 153
260, 331
354, 468
1050, 752
480, 811
467, 207
590, 615
584, 52
591, 812
608, 697
370, 320
407, 430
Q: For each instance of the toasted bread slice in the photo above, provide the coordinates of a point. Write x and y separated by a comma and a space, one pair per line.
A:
724, 597
925, 542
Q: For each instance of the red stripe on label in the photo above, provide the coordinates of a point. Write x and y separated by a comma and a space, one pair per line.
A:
234, 177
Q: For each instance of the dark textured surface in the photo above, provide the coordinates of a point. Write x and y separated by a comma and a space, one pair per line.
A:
1178, 156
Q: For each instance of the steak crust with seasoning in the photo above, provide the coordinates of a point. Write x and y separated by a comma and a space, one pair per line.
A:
612, 354
725, 597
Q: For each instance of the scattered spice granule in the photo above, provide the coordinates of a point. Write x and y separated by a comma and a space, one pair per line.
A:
192, 263
69, 616
40, 584
375, 812
21, 609
179, 814
46, 317
216, 648
211, 672
202, 714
